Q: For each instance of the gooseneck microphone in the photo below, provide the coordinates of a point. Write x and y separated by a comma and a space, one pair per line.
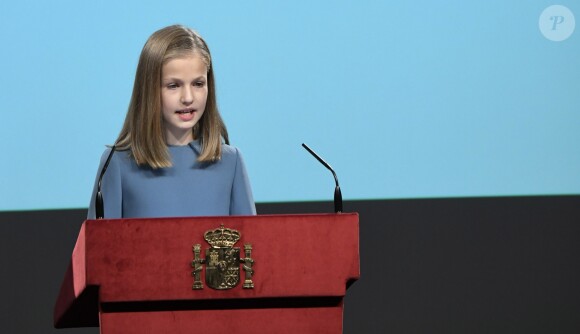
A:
337, 193
99, 204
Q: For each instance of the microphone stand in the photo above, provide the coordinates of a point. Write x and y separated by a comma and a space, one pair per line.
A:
337, 192
99, 203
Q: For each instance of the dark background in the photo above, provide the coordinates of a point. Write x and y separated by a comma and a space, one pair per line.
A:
453, 265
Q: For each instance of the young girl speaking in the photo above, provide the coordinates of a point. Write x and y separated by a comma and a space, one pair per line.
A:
172, 157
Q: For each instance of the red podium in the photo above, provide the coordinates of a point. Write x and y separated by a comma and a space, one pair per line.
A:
138, 275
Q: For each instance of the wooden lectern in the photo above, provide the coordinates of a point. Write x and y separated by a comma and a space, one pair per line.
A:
137, 275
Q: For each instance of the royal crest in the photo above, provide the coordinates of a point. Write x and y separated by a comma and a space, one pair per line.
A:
222, 261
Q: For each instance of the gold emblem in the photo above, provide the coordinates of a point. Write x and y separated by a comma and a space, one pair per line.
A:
222, 261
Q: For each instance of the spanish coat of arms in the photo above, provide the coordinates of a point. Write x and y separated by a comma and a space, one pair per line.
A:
222, 261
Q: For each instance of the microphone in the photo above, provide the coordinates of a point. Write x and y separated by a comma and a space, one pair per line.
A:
99, 204
337, 193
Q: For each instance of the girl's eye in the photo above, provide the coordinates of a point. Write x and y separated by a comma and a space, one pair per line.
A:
172, 86
199, 83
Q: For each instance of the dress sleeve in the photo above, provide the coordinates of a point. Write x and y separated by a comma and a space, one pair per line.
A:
110, 188
242, 200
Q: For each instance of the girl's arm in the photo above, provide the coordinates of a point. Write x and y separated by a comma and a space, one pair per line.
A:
242, 200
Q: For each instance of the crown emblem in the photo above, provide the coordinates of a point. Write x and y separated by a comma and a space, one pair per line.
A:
222, 237
222, 261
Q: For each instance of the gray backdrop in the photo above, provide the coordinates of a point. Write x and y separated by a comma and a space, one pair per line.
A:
469, 265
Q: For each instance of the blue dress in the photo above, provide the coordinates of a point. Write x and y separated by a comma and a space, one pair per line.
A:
188, 188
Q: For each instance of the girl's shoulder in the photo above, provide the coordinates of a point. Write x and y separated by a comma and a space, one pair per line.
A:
230, 155
229, 150
119, 156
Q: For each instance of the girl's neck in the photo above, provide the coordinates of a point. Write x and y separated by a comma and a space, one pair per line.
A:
179, 141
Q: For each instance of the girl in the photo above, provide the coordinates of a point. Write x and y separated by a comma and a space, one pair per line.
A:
172, 157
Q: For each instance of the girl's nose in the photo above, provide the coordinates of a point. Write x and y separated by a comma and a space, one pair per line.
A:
187, 96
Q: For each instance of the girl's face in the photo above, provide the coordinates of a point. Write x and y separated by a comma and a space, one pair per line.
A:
183, 97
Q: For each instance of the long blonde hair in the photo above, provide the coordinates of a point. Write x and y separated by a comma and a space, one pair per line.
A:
143, 130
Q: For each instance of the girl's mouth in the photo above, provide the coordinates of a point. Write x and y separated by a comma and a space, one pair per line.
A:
185, 111
185, 115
